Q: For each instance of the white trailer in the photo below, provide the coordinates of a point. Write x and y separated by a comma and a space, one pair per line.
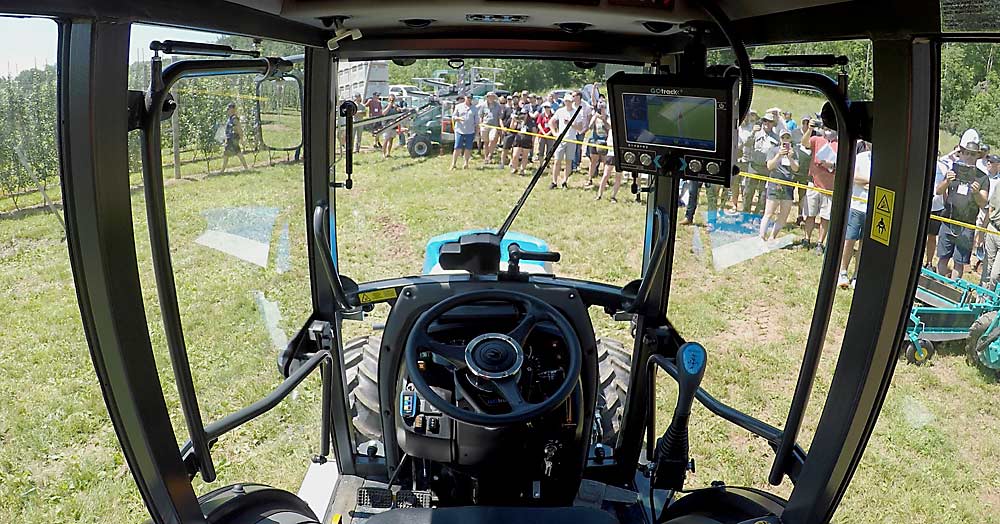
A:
364, 78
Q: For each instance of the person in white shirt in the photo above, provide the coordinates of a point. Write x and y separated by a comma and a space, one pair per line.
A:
465, 120
992, 270
566, 151
859, 208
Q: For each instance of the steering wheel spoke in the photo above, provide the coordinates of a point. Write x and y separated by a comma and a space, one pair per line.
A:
453, 353
525, 326
508, 389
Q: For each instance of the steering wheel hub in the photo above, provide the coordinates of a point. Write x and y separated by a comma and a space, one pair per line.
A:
494, 355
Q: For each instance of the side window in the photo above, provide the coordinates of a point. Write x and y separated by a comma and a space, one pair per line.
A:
234, 189
930, 432
59, 457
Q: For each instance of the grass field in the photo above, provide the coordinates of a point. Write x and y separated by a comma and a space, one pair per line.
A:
933, 457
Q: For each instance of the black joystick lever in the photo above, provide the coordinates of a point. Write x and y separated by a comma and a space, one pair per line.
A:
515, 255
671, 459
347, 110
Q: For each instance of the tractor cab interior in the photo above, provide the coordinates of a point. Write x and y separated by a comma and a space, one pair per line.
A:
486, 398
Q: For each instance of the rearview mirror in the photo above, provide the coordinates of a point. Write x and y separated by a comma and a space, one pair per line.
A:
279, 113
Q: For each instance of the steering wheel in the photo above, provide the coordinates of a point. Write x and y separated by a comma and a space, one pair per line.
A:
495, 358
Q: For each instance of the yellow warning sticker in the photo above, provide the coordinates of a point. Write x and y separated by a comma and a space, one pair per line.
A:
882, 215
380, 295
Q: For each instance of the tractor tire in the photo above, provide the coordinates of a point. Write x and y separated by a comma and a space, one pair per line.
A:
419, 146
614, 363
976, 331
361, 370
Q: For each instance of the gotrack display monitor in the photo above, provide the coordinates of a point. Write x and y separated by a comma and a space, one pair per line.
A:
665, 124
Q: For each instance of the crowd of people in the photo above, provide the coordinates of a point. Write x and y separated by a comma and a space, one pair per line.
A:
966, 193
513, 131
791, 165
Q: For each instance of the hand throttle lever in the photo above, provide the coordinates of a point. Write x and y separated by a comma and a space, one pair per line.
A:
671, 455
347, 110
515, 255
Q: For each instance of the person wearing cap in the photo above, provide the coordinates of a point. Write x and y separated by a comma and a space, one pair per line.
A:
822, 147
489, 118
465, 120
566, 150
764, 141
234, 133
965, 190
992, 240
782, 162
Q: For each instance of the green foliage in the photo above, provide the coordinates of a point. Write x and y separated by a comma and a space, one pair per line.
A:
28, 123
533, 75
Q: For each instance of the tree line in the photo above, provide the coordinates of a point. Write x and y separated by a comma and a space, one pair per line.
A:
970, 97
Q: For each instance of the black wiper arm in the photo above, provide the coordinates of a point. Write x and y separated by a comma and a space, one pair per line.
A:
534, 179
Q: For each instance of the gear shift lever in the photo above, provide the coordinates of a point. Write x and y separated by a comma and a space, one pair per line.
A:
671, 455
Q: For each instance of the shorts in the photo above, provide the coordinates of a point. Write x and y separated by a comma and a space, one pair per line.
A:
955, 242
491, 133
855, 223
523, 141
934, 226
594, 150
817, 204
565, 151
463, 141
509, 141
233, 147
390, 132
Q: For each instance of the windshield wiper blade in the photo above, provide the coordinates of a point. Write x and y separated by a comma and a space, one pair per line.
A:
534, 179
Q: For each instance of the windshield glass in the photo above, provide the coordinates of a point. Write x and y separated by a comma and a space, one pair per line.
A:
455, 154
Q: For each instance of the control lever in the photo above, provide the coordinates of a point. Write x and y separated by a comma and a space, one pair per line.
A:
515, 255
671, 460
347, 110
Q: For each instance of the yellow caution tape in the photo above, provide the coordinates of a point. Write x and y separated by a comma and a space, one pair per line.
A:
757, 177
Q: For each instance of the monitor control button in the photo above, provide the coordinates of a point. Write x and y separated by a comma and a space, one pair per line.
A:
629, 157
645, 159
713, 168
695, 166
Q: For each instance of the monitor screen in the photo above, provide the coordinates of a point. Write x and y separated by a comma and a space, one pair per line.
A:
673, 121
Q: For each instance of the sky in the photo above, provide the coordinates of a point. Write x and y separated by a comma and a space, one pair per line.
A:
29, 42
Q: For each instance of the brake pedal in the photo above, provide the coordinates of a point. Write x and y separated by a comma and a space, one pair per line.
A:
380, 498
384, 498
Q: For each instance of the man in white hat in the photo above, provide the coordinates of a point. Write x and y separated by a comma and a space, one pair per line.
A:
965, 191
567, 150
763, 142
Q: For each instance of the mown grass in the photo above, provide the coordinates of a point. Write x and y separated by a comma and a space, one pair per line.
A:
932, 459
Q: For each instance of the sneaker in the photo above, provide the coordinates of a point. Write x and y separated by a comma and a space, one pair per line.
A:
687, 222
614, 200
553, 185
843, 282
564, 186
819, 250
598, 197
854, 281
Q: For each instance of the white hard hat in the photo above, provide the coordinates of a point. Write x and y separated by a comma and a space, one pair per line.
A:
970, 140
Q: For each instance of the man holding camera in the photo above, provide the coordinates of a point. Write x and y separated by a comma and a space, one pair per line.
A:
821, 142
965, 190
